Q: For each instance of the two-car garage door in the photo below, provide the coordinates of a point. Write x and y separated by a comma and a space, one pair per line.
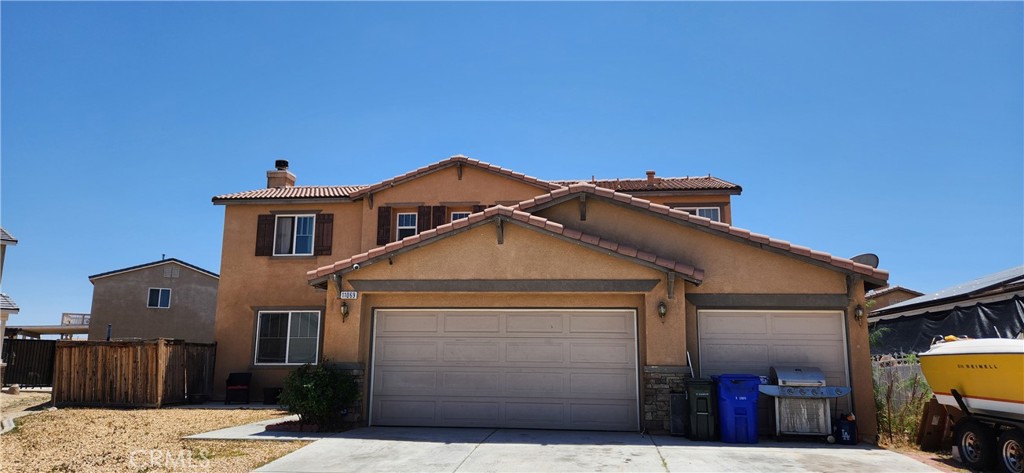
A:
557, 369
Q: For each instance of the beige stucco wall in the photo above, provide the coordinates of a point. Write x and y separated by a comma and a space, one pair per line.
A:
733, 267
525, 254
250, 283
121, 301
443, 187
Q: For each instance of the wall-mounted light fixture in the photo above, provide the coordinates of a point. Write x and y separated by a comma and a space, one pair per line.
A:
662, 310
858, 312
344, 311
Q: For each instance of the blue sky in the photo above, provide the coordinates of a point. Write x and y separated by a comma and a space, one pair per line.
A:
893, 128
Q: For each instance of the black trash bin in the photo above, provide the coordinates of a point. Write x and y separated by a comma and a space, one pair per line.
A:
702, 405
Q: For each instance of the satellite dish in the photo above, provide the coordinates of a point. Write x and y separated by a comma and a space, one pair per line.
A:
869, 259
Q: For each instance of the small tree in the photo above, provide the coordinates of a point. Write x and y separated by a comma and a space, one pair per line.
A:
318, 394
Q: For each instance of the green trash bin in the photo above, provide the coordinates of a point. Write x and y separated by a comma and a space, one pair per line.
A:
702, 405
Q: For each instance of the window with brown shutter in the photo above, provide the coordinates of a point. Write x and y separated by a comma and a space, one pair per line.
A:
440, 216
383, 225
423, 218
264, 235
324, 234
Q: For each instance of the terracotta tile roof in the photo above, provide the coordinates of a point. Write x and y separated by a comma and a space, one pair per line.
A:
660, 184
679, 215
7, 304
296, 192
518, 217
7, 238
453, 161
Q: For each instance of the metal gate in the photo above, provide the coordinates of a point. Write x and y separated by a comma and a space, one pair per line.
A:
29, 362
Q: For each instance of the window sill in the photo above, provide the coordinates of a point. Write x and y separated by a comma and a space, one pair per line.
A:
276, 366
297, 257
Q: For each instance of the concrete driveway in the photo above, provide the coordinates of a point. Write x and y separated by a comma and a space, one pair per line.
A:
395, 449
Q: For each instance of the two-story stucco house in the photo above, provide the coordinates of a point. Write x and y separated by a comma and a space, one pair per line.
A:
168, 298
465, 294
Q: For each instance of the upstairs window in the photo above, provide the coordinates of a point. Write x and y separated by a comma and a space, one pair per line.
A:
713, 213
406, 225
459, 215
293, 235
287, 337
159, 298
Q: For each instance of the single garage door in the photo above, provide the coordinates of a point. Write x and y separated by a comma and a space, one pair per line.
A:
546, 369
751, 342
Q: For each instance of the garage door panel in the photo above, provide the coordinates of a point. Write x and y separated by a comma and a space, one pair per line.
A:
585, 384
542, 323
406, 323
407, 352
524, 413
734, 325
485, 351
398, 381
477, 323
598, 415
467, 382
580, 324
544, 384
531, 352
718, 352
806, 325
535, 372
610, 352
417, 412
470, 412
807, 355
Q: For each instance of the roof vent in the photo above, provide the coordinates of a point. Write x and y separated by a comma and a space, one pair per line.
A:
281, 164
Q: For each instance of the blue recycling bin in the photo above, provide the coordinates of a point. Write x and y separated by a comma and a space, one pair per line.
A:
737, 407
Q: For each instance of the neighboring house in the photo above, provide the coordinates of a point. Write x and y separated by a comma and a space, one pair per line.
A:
168, 298
988, 307
465, 294
7, 305
887, 296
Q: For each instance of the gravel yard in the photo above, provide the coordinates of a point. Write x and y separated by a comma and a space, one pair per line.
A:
113, 440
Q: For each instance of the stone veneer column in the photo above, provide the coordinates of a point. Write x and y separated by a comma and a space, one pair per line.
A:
659, 383
358, 371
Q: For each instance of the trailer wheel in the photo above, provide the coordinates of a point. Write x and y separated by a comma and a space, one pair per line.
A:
977, 444
1011, 444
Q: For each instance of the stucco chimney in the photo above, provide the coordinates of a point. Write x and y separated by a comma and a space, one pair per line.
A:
280, 176
650, 178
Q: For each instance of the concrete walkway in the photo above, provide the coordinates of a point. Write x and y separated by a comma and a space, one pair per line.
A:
393, 449
256, 431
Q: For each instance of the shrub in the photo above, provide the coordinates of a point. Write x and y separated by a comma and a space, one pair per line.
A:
319, 394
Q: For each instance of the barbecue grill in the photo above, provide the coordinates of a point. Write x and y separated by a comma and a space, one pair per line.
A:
801, 400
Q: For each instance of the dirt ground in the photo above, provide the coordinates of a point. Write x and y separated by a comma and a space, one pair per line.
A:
132, 440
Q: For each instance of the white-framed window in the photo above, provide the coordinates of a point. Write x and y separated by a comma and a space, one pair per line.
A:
159, 298
406, 225
459, 215
287, 337
293, 234
713, 213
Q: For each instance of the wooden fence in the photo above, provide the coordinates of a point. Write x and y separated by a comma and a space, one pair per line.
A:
148, 373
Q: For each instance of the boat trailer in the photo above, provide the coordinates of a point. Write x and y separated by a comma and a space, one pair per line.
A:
980, 439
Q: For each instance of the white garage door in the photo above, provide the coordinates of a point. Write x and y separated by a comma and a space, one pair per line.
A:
751, 342
550, 369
